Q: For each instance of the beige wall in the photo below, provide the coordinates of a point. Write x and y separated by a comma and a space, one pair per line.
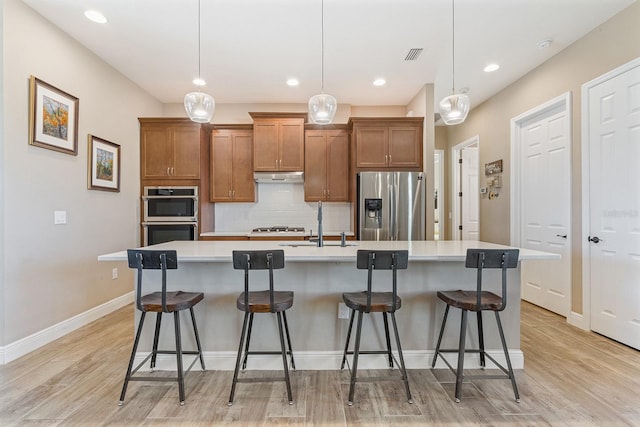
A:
612, 44
51, 272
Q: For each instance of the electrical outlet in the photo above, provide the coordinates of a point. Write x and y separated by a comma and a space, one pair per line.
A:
114, 273
343, 311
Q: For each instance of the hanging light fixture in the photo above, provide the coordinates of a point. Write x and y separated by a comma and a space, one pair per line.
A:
455, 107
322, 107
199, 106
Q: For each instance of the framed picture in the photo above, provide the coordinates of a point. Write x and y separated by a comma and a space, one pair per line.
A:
53, 118
493, 167
104, 165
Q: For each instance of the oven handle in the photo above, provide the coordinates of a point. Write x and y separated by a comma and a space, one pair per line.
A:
169, 197
169, 223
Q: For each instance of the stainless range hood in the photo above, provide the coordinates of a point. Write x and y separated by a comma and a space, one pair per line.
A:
279, 177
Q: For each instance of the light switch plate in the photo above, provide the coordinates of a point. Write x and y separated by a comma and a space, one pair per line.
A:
60, 217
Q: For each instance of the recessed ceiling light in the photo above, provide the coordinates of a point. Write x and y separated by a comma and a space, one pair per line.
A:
293, 82
199, 82
491, 67
95, 16
379, 82
543, 44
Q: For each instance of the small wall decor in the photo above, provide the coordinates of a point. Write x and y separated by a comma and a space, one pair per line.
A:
53, 118
104, 165
493, 167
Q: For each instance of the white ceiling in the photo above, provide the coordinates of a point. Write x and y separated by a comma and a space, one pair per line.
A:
251, 47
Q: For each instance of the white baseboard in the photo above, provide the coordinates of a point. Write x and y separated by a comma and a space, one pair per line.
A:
328, 360
26, 345
578, 320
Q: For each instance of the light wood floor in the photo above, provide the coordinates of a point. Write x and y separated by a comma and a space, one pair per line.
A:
571, 378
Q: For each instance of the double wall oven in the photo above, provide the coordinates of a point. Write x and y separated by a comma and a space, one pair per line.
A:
170, 213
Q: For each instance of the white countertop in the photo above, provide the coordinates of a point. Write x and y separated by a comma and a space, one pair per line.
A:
280, 234
220, 251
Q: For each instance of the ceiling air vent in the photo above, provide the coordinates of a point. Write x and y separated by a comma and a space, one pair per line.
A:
413, 54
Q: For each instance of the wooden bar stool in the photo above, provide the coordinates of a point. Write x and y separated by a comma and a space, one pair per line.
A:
161, 302
376, 302
266, 301
479, 301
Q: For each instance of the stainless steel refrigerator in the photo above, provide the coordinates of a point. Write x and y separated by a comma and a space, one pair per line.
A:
391, 206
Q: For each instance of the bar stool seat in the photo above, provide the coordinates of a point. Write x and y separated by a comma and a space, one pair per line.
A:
161, 302
259, 302
369, 301
478, 301
381, 302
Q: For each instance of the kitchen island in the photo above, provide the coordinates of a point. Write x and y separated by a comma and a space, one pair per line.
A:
319, 276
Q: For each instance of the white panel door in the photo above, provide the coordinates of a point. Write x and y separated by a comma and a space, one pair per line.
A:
614, 198
470, 194
546, 208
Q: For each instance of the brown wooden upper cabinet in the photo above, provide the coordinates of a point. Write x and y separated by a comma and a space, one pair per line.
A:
326, 165
278, 141
387, 142
231, 152
169, 148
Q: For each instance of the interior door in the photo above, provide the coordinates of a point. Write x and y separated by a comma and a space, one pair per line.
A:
470, 200
614, 206
545, 207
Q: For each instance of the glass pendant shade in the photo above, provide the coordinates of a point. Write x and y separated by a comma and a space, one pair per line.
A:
454, 108
322, 109
199, 106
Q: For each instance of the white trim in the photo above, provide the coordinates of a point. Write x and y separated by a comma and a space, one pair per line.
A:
438, 154
455, 188
586, 202
562, 101
26, 345
329, 360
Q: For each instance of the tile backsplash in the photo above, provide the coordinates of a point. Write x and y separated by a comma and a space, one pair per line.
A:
281, 204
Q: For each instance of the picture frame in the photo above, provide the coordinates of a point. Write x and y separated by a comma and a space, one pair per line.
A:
493, 168
103, 165
53, 117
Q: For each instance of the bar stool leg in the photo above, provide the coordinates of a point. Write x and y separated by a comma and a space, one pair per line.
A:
238, 359
481, 340
246, 349
286, 330
401, 357
444, 322
195, 331
284, 359
156, 336
131, 359
346, 346
506, 355
356, 352
460, 370
386, 333
176, 319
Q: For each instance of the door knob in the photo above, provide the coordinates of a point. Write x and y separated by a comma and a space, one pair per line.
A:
594, 239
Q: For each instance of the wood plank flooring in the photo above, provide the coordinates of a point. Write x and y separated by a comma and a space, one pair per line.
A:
571, 378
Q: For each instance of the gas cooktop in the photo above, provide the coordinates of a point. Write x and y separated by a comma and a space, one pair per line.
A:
278, 229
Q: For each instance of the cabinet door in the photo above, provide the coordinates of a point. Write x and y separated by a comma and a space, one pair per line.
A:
155, 152
265, 145
315, 166
186, 152
405, 147
221, 166
244, 188
371, 147
291, 147
337, 166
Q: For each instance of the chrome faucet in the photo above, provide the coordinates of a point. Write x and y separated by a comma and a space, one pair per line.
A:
320, 239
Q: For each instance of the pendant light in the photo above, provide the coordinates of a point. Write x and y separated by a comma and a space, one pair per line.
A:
455, 107
322, 107
199, 106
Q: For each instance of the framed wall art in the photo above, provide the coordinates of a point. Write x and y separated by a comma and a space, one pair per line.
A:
104, 165
53, 118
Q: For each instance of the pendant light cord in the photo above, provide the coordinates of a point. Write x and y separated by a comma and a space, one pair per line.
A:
199, 76
453, 44
322, 46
